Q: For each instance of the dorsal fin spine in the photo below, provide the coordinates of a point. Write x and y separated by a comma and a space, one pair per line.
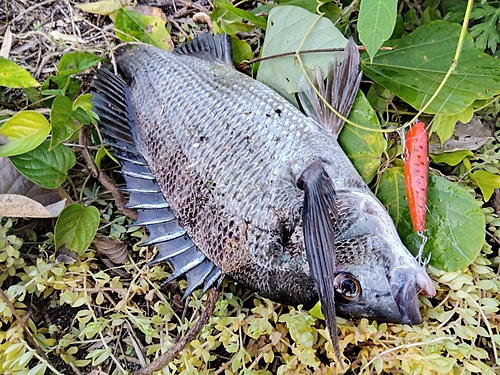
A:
209, 47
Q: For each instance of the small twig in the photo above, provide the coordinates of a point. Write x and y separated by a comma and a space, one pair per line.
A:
160, 362
404, 346
345, 11
243, 64
23, 325
103, 178
30, 10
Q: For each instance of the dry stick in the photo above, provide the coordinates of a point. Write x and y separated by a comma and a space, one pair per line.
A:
103, 178
21, 322
30, 9
303, 52
164, 359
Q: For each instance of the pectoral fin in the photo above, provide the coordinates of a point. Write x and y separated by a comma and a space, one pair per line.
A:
319, 218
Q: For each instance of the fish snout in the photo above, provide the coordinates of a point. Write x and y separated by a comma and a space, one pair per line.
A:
406, 285
425, 285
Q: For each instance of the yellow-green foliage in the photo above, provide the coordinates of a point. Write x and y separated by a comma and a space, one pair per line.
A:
111, 318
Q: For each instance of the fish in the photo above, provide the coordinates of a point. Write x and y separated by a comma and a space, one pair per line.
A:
231, 179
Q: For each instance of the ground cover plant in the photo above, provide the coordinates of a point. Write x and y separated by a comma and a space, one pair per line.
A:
76, 293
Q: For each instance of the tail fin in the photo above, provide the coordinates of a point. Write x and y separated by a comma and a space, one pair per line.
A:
339, 91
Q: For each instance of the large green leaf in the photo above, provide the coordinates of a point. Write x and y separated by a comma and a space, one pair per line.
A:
12, 75
287, 27
76, 227
455, 222
377, 19
131, 26
418, 64
24, 131
65, 121
45, 168
363, 147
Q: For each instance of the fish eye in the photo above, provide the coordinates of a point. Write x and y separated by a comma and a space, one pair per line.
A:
347, 286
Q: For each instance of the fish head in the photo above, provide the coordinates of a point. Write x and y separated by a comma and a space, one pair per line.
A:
376, 276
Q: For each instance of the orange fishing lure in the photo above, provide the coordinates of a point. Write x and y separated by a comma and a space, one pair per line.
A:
416, 172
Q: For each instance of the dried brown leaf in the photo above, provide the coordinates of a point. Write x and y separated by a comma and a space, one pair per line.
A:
15, 205
115, 250
13, 182
65, 255
149, 11
6, 44
469, 136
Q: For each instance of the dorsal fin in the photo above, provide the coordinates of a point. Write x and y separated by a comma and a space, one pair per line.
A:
112, 102
209, 47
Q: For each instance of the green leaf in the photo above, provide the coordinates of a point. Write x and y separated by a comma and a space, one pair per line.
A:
84, 101
377, 19
25, 131
76, 62
76, 227
60, 85
226, 21
12, 75
363, 147
65, 121
455, 222
330, 9
132, 26
260, 22
241, 50
99, 355
444, 125
287, 28
451, 158
316, 311
417, 66
487, 182
45, 168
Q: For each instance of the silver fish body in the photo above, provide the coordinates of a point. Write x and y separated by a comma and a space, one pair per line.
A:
227, 153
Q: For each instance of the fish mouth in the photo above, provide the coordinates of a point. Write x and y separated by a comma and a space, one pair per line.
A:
406, 285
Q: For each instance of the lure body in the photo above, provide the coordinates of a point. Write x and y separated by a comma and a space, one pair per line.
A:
416, 172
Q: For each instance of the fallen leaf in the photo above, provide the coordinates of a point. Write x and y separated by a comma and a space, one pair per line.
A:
469, 136
149, 11
13, 182
14, 205
57, 35
66, 256
104, 8
6, 44
115, 250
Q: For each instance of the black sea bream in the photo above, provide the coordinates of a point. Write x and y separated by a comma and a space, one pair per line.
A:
231, 179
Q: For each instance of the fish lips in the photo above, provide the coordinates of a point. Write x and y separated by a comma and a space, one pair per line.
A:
405, 290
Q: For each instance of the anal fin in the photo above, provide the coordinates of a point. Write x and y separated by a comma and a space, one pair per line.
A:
112, 103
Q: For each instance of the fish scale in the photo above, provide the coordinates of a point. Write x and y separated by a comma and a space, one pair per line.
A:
265, 194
